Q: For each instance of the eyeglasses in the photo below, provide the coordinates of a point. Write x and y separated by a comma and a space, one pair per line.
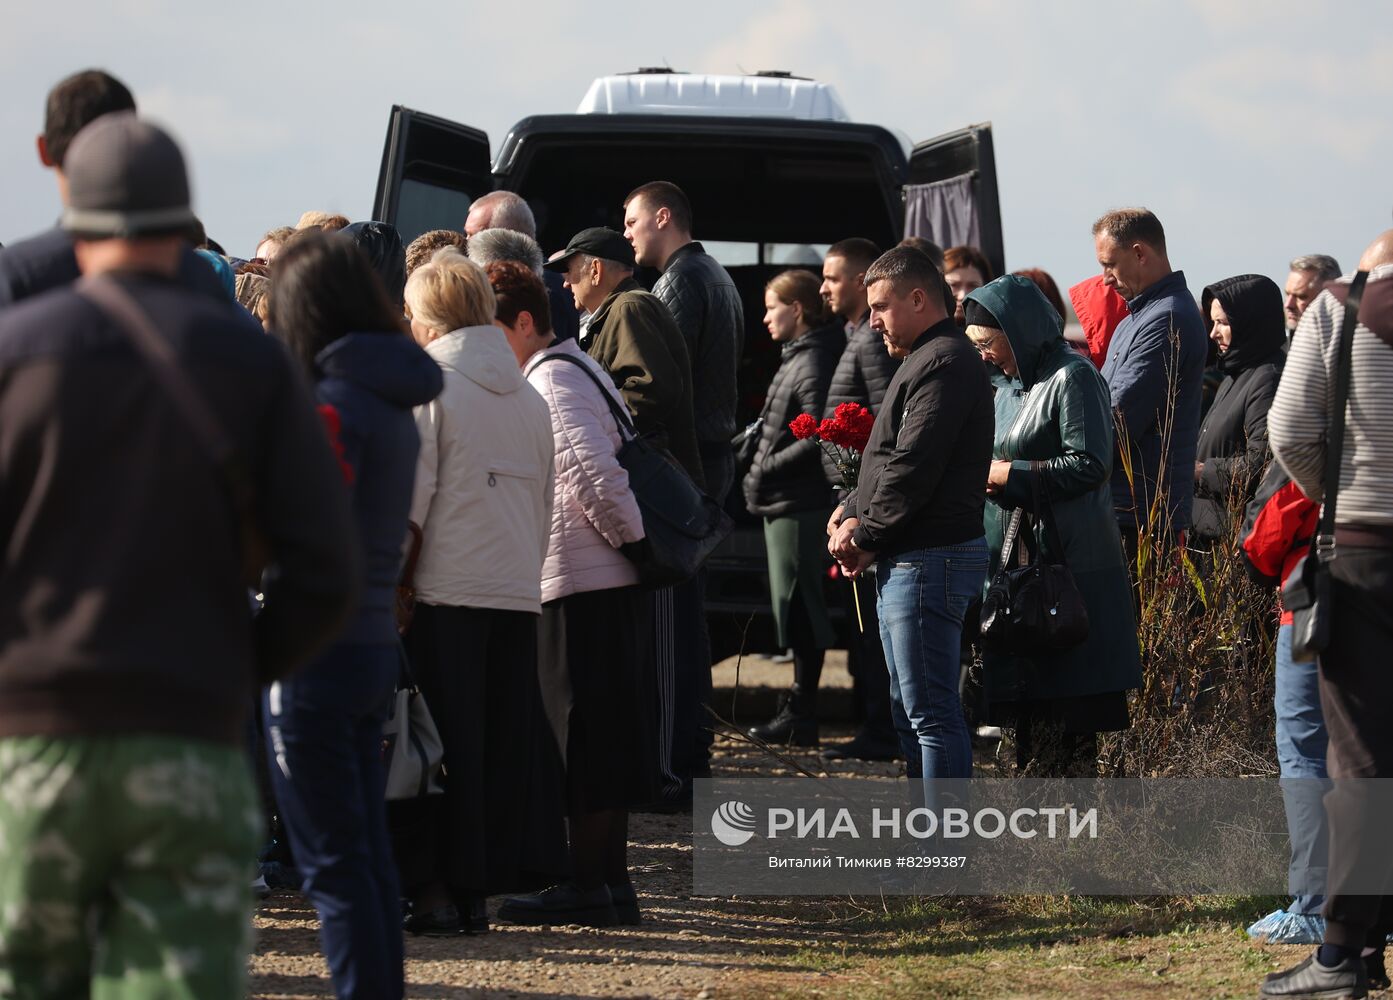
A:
986, 345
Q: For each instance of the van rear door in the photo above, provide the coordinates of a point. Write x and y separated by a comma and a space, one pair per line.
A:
951, 197
432, 170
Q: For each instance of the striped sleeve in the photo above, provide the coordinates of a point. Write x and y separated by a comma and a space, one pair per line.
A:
1296, 423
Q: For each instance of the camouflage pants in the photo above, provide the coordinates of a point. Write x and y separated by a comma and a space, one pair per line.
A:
125, 868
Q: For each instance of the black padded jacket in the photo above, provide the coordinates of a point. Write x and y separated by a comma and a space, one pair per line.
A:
706, 305
785, 475
862, 376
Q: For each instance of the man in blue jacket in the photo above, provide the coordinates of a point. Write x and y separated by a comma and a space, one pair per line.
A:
1155, 372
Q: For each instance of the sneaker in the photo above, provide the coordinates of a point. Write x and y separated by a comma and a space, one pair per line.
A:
1312, 981
1281, 927
785, 657
625, 903
561, 904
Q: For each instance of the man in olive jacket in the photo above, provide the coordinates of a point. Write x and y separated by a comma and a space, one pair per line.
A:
634, 338
916, 512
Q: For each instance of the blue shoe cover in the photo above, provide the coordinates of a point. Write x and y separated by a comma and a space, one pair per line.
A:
1281, 927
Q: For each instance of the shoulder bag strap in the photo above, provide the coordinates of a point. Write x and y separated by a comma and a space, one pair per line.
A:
1044, 507
1008, 540
621, 416
1323, 541
117, 304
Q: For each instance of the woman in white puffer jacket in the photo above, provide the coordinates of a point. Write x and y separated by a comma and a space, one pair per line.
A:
483, 502
594, 641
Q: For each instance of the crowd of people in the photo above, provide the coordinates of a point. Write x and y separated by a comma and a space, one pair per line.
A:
248, 500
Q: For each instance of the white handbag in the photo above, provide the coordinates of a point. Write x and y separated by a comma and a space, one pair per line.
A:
412, 753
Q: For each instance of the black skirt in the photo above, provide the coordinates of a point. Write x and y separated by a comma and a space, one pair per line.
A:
595, 654
500, 826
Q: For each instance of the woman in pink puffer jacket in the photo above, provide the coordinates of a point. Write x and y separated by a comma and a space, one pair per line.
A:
594, 635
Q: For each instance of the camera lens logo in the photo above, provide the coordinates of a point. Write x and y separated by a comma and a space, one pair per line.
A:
733, 823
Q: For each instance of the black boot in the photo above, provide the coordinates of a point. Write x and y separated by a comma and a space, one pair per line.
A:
794, 724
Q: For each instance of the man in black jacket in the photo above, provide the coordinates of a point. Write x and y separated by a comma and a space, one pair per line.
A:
706, 304
916, 513
128, 650
862, 375
46, 261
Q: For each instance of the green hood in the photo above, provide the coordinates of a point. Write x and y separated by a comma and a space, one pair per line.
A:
1032, 327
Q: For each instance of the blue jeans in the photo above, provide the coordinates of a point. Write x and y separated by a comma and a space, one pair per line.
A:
921, 598
1301, 745
324, 739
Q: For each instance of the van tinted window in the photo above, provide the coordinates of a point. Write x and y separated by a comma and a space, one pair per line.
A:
425, 206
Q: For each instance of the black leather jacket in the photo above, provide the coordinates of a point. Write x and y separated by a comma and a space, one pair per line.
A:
706, 305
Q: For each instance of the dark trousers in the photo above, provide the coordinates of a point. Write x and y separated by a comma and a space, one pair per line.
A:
1356, 692
324, 739
692, 693
866, 662
691, 730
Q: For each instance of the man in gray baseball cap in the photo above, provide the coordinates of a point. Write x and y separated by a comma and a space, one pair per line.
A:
129, 655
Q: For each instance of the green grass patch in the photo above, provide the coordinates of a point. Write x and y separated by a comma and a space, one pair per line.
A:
1036, 947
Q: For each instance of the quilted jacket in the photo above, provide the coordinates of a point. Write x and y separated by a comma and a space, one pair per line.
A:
483, 479
593, 511
785, 475
862, 376
706, 305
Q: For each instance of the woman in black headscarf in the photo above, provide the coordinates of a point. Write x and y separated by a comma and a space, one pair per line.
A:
1247, 325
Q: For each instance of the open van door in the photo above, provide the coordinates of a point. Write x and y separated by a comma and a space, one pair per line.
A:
432, 170
951, 196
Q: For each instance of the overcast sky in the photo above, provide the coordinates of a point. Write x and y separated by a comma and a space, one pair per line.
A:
1255, 130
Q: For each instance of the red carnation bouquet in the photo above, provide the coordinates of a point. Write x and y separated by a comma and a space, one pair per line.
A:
843, 436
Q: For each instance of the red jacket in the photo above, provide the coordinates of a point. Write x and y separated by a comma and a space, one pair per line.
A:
1099, 309
1281, 535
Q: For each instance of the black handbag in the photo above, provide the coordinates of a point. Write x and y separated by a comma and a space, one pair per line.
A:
1306, 593
1036, 608
682, 525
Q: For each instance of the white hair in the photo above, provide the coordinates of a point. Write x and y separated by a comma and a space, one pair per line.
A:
509, 211
1326, 267
493, 245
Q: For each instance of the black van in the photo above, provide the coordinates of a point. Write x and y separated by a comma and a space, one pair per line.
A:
767, 192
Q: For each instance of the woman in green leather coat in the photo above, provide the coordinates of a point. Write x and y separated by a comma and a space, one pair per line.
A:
1054, 427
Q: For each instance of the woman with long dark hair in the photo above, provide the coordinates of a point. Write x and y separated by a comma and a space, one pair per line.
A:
324, 724
788, 488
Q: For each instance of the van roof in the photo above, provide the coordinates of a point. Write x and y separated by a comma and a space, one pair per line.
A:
664, 91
